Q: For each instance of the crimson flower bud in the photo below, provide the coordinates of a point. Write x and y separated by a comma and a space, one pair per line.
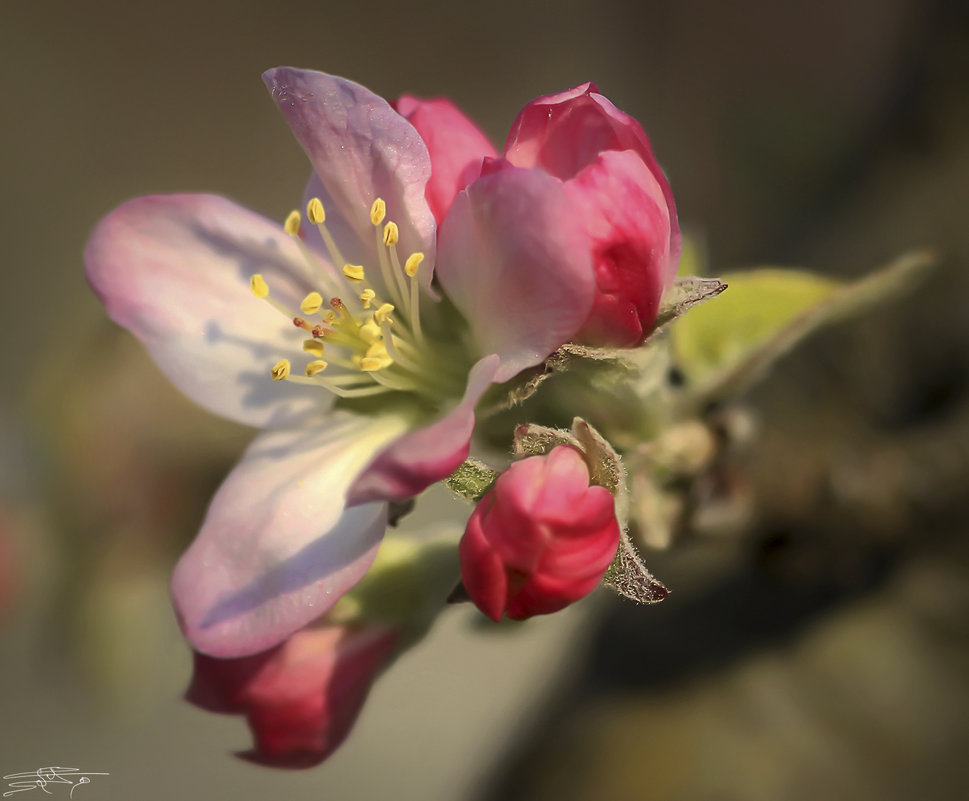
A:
300, 698
541, 539
607, 165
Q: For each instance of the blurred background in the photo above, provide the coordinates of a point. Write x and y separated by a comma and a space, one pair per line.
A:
815, 643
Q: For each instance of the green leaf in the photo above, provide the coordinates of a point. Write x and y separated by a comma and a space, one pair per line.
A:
724, 346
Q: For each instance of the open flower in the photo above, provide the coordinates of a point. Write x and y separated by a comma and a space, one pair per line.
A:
329, 333
541, 539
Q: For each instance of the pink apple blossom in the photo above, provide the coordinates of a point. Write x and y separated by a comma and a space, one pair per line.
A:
540, 539
376, 380
300, 698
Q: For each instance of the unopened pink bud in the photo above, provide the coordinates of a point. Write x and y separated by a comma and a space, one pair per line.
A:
541, 539
608, 168
300, 698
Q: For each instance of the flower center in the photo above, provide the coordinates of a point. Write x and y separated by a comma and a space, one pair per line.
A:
363, 337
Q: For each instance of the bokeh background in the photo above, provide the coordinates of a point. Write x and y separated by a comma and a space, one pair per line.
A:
815, 647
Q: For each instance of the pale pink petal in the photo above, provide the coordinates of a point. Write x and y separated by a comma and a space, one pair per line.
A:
456, 145
563, 133
515, 262
278, 547
625, 215
300, 698
360, 149
418, 459
175, 269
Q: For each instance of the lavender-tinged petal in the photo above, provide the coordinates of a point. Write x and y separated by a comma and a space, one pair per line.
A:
515, 261
360, 149
175, 269
278, 546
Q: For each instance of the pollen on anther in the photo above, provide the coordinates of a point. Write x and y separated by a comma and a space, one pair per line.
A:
383, 313
291, 226
315, 212
366, 297
312, 346
412, 263
391, 234
314, 367
258, 286
354, 272
312, 303
369, 332
378, 211
281, 370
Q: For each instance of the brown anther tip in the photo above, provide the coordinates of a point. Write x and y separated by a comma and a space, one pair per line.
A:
336, 303
299, 322
318, 331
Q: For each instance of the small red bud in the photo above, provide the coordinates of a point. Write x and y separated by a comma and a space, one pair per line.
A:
541, 539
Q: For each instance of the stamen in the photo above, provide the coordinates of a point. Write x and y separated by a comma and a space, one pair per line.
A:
412, 263
383, 313
367, 297
258, 286
315, 212
354, 272
394, 353
281, 370
398, 276
391, 233
312, 303
315, 367
411, 266
378, 211
291, 226
369, 332
313, 346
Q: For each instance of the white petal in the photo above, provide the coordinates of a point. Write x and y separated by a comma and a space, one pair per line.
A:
278, 547
175, 271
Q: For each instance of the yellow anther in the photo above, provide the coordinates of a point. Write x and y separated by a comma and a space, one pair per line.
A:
330, 316
391, 233
412, 263
281, 370
366, 297
315, 212
315, 367
370, 365
313, 346
376, 358
353, 271
291, 226
259, 286
369, 332
378, 211
312, 303
383, 313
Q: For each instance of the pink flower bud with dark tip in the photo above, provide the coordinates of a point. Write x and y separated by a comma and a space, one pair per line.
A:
540, 539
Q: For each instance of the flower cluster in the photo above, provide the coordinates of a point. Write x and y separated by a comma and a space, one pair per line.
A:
422, 270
